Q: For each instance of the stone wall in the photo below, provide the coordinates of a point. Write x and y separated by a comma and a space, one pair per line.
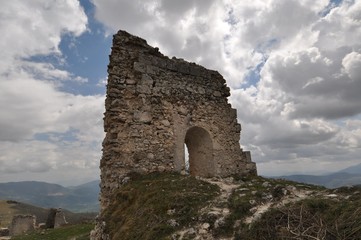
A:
60, 219
56, 218
50, 221
22, 224
156, 105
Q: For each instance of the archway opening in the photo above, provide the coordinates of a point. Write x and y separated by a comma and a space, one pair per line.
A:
200, 152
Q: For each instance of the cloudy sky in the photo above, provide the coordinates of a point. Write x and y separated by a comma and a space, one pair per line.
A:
294, 67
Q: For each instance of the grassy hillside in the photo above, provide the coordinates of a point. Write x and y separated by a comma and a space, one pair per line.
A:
73, 232
9, 208
154, 206
171, 206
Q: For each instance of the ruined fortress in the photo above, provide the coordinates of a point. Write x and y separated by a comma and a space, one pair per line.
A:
155, 106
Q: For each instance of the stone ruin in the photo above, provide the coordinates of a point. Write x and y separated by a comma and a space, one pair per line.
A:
56, 218
155, 106
22, 224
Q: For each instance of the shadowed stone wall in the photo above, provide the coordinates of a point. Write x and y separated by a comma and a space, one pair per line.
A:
156, 105
56, 218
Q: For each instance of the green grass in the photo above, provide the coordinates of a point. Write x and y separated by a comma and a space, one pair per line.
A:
73, 232
145, 207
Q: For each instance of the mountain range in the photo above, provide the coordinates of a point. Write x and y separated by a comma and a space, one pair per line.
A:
356, 169
346, 177
82, 198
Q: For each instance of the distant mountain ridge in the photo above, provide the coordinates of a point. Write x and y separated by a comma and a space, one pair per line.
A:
356, 169
82, 198
346, 177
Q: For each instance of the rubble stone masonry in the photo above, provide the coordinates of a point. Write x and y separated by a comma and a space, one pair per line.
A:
22, 224
156, 105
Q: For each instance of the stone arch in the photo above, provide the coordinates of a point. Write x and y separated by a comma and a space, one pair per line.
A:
200, 150
154, 105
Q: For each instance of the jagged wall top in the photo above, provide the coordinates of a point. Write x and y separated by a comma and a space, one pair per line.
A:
201, 81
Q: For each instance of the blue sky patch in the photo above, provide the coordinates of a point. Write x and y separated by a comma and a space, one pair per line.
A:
87, 55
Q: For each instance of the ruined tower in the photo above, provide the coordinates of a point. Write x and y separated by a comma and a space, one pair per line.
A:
155, 106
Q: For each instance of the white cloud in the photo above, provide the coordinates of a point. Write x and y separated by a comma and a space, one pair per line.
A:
32, 101
59, 161
41, 156
302, 86
304, 109
341, 27
42, 109
352, 64
35, 28
199, 24
308, 54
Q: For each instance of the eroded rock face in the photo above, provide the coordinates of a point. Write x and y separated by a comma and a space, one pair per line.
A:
156, 105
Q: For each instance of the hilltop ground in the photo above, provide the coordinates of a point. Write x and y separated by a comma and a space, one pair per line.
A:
172, 206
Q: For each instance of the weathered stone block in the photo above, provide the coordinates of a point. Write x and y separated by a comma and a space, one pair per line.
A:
143, 117
140, 67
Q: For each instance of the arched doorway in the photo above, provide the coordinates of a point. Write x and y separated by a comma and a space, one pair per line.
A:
200, 150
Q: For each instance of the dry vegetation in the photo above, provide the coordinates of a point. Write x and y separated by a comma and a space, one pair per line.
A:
171, 206
156, 205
